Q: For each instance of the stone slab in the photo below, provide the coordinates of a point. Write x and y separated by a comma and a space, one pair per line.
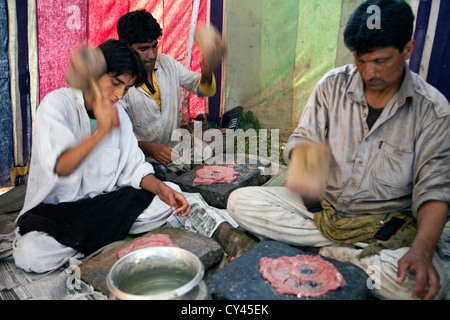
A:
241, 279
95, 270
11, 202
216, 195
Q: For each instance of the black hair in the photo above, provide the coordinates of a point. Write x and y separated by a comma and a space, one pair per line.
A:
122, 59
138, 27
395, 29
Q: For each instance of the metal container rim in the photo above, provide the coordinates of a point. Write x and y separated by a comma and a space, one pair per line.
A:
169, 295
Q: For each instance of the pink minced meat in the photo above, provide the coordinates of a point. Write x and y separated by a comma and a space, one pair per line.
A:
209, 175
154, 240
302, 275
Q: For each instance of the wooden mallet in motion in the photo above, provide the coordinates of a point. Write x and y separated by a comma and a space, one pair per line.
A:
86, 66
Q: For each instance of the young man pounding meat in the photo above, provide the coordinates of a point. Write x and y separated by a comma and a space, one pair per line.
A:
89, 184
372, 144
154, 107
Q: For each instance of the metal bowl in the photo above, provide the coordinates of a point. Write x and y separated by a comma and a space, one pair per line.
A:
156, 273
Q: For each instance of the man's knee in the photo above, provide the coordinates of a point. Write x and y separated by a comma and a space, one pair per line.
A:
234, 201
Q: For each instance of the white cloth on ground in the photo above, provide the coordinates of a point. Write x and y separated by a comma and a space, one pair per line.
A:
382, 270
38, 252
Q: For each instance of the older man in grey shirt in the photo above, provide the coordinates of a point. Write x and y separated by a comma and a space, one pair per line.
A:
372, 145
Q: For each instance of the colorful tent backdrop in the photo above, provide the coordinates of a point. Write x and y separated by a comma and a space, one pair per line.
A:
37, 38
278, 50
63, 26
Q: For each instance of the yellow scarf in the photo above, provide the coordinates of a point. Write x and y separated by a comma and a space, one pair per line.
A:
157, 95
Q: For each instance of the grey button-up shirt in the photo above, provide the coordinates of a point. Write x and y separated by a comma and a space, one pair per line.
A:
397, 165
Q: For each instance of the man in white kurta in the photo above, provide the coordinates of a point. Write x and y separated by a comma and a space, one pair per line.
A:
61, 121
153, 120
154, 108
64, 120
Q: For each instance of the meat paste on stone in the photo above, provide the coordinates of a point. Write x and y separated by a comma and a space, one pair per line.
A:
302, 275
214, 174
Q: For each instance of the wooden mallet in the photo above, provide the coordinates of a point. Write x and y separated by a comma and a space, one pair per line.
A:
86, 66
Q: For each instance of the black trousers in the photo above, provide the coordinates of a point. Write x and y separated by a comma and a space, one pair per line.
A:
88, 224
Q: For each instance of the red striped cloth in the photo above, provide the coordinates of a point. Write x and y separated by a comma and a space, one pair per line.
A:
103, 17
61, 27
174, 17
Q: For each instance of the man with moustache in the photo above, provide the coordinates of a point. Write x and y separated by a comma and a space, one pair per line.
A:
372, 147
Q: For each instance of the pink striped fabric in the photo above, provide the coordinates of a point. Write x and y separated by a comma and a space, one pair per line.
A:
63, 26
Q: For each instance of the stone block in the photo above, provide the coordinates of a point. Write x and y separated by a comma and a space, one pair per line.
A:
241, 279
95, 270
216, 195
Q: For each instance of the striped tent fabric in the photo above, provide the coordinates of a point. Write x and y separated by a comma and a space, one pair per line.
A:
19, 85
93, 22
22, 84
265, 69
37, 38
431, 59
6, 120
438, 73
62, 27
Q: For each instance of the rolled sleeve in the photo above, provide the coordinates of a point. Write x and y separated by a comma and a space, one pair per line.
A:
208, 89
141, 171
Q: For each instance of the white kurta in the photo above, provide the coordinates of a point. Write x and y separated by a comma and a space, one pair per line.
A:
62, 122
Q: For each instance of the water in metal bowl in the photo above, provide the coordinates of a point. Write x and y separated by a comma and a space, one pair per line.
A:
157, 273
